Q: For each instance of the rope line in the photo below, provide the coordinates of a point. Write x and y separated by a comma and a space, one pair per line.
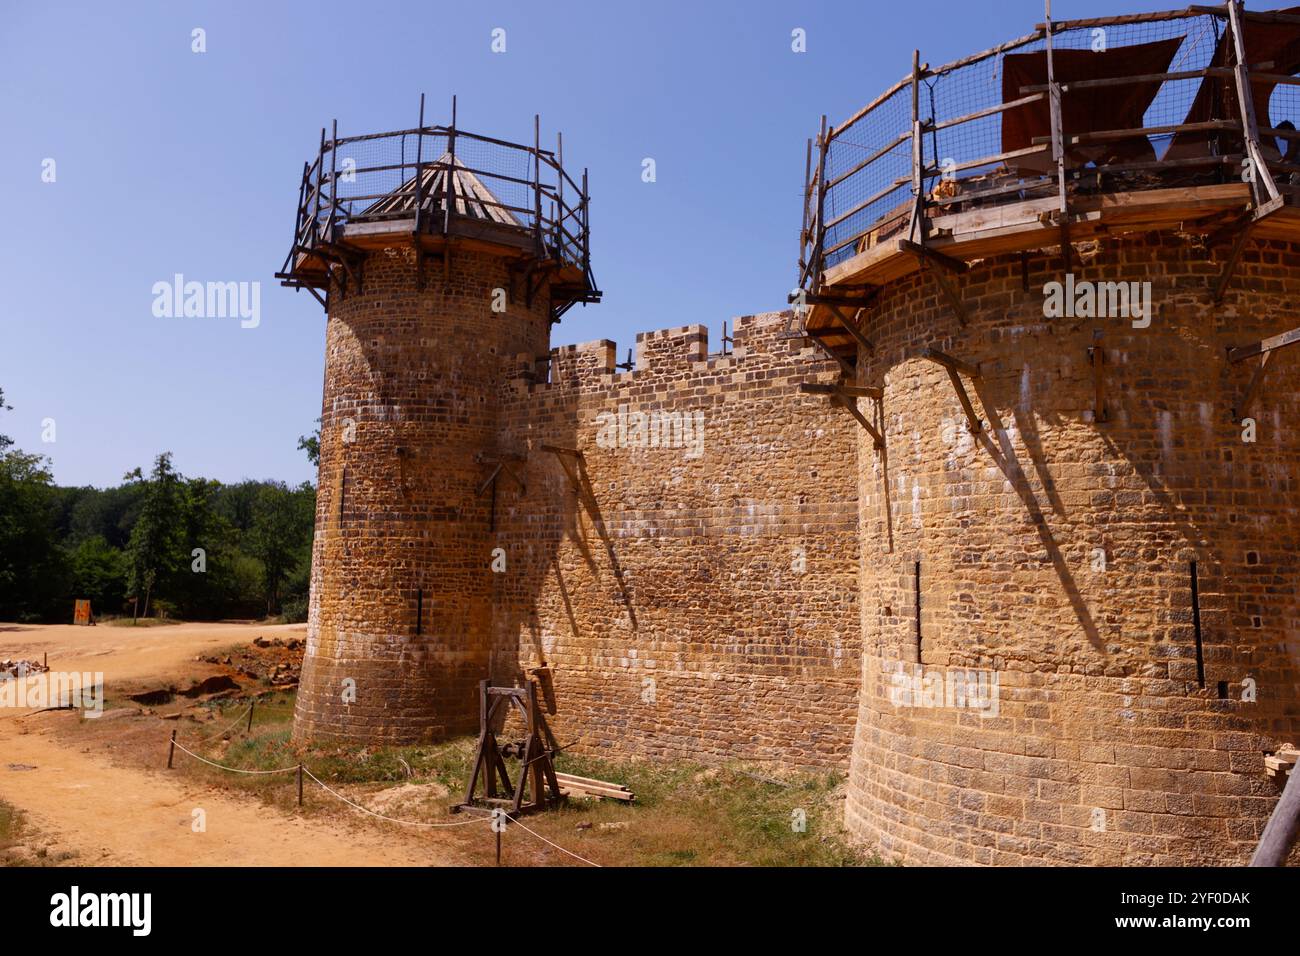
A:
556, 845
243, 713
409, 823
488, 818
180, 746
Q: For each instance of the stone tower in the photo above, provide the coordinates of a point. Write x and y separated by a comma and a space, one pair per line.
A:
1077, 488
441, 257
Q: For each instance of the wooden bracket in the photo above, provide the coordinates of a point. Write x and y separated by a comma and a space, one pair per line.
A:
946, 264
492, 483
852, 328
925, 253
1256, 380
851, 405
1265, 349
1230, 264
1097, 358
845, 366
845, 391
956, 368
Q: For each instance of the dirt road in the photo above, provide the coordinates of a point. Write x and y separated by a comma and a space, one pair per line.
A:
115, 815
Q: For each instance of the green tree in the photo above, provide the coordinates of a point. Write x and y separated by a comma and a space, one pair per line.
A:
311, 445
281, 524
99, 572
32, 569
33, 573
153, 550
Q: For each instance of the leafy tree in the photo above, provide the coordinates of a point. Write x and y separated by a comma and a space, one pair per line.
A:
98, 572
153, 549
311, 445
281, 524
32, 569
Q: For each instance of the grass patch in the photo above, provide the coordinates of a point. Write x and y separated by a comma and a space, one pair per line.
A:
685, 814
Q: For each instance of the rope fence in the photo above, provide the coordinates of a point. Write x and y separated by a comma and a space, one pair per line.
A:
490, 816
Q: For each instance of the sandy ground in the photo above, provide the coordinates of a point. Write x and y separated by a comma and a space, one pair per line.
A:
113, 815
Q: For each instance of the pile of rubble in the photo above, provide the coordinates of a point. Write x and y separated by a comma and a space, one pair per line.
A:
276, 661
9, 669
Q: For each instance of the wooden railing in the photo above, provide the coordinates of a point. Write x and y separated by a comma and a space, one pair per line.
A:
927, 146
435, 176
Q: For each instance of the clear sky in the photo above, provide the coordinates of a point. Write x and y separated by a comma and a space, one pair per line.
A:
170, 161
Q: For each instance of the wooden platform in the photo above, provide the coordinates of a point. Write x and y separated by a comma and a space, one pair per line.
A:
1035, 224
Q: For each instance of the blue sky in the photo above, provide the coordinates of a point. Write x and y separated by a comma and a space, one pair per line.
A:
171, 162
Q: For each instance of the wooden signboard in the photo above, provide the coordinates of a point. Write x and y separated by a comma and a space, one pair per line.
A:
82, 614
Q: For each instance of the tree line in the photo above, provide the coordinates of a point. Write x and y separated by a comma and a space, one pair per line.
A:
160, 544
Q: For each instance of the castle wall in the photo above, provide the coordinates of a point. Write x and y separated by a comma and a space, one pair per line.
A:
1104, 749
401, 604
694, 595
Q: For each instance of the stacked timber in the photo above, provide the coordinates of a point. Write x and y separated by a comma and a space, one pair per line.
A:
572, 785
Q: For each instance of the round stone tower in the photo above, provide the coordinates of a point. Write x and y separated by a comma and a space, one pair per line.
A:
1078, 487
441, 257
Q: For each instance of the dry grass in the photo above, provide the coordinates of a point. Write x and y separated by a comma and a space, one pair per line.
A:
685, 814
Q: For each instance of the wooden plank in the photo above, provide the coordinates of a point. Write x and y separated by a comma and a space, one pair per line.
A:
600, 783
987, 111
591, 790
1136, 18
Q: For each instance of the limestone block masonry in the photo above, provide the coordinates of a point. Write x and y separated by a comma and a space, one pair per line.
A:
1055, 553
690, 578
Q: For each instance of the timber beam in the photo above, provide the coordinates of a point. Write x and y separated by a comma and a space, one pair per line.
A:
852, 328
845, 391
1264, 349
851, 405
825, 298
1269, 344
955, 368
926, 256
1097, 359
925, 253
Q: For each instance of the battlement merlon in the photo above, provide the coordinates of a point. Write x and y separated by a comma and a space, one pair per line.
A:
672, 352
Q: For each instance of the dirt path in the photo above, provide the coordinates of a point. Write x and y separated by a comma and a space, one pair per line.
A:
115, 815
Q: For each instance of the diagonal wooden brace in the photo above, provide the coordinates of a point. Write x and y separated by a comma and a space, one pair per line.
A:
955, 368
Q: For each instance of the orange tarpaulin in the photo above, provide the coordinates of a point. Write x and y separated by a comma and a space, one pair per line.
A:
1270, 48
1085, 110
